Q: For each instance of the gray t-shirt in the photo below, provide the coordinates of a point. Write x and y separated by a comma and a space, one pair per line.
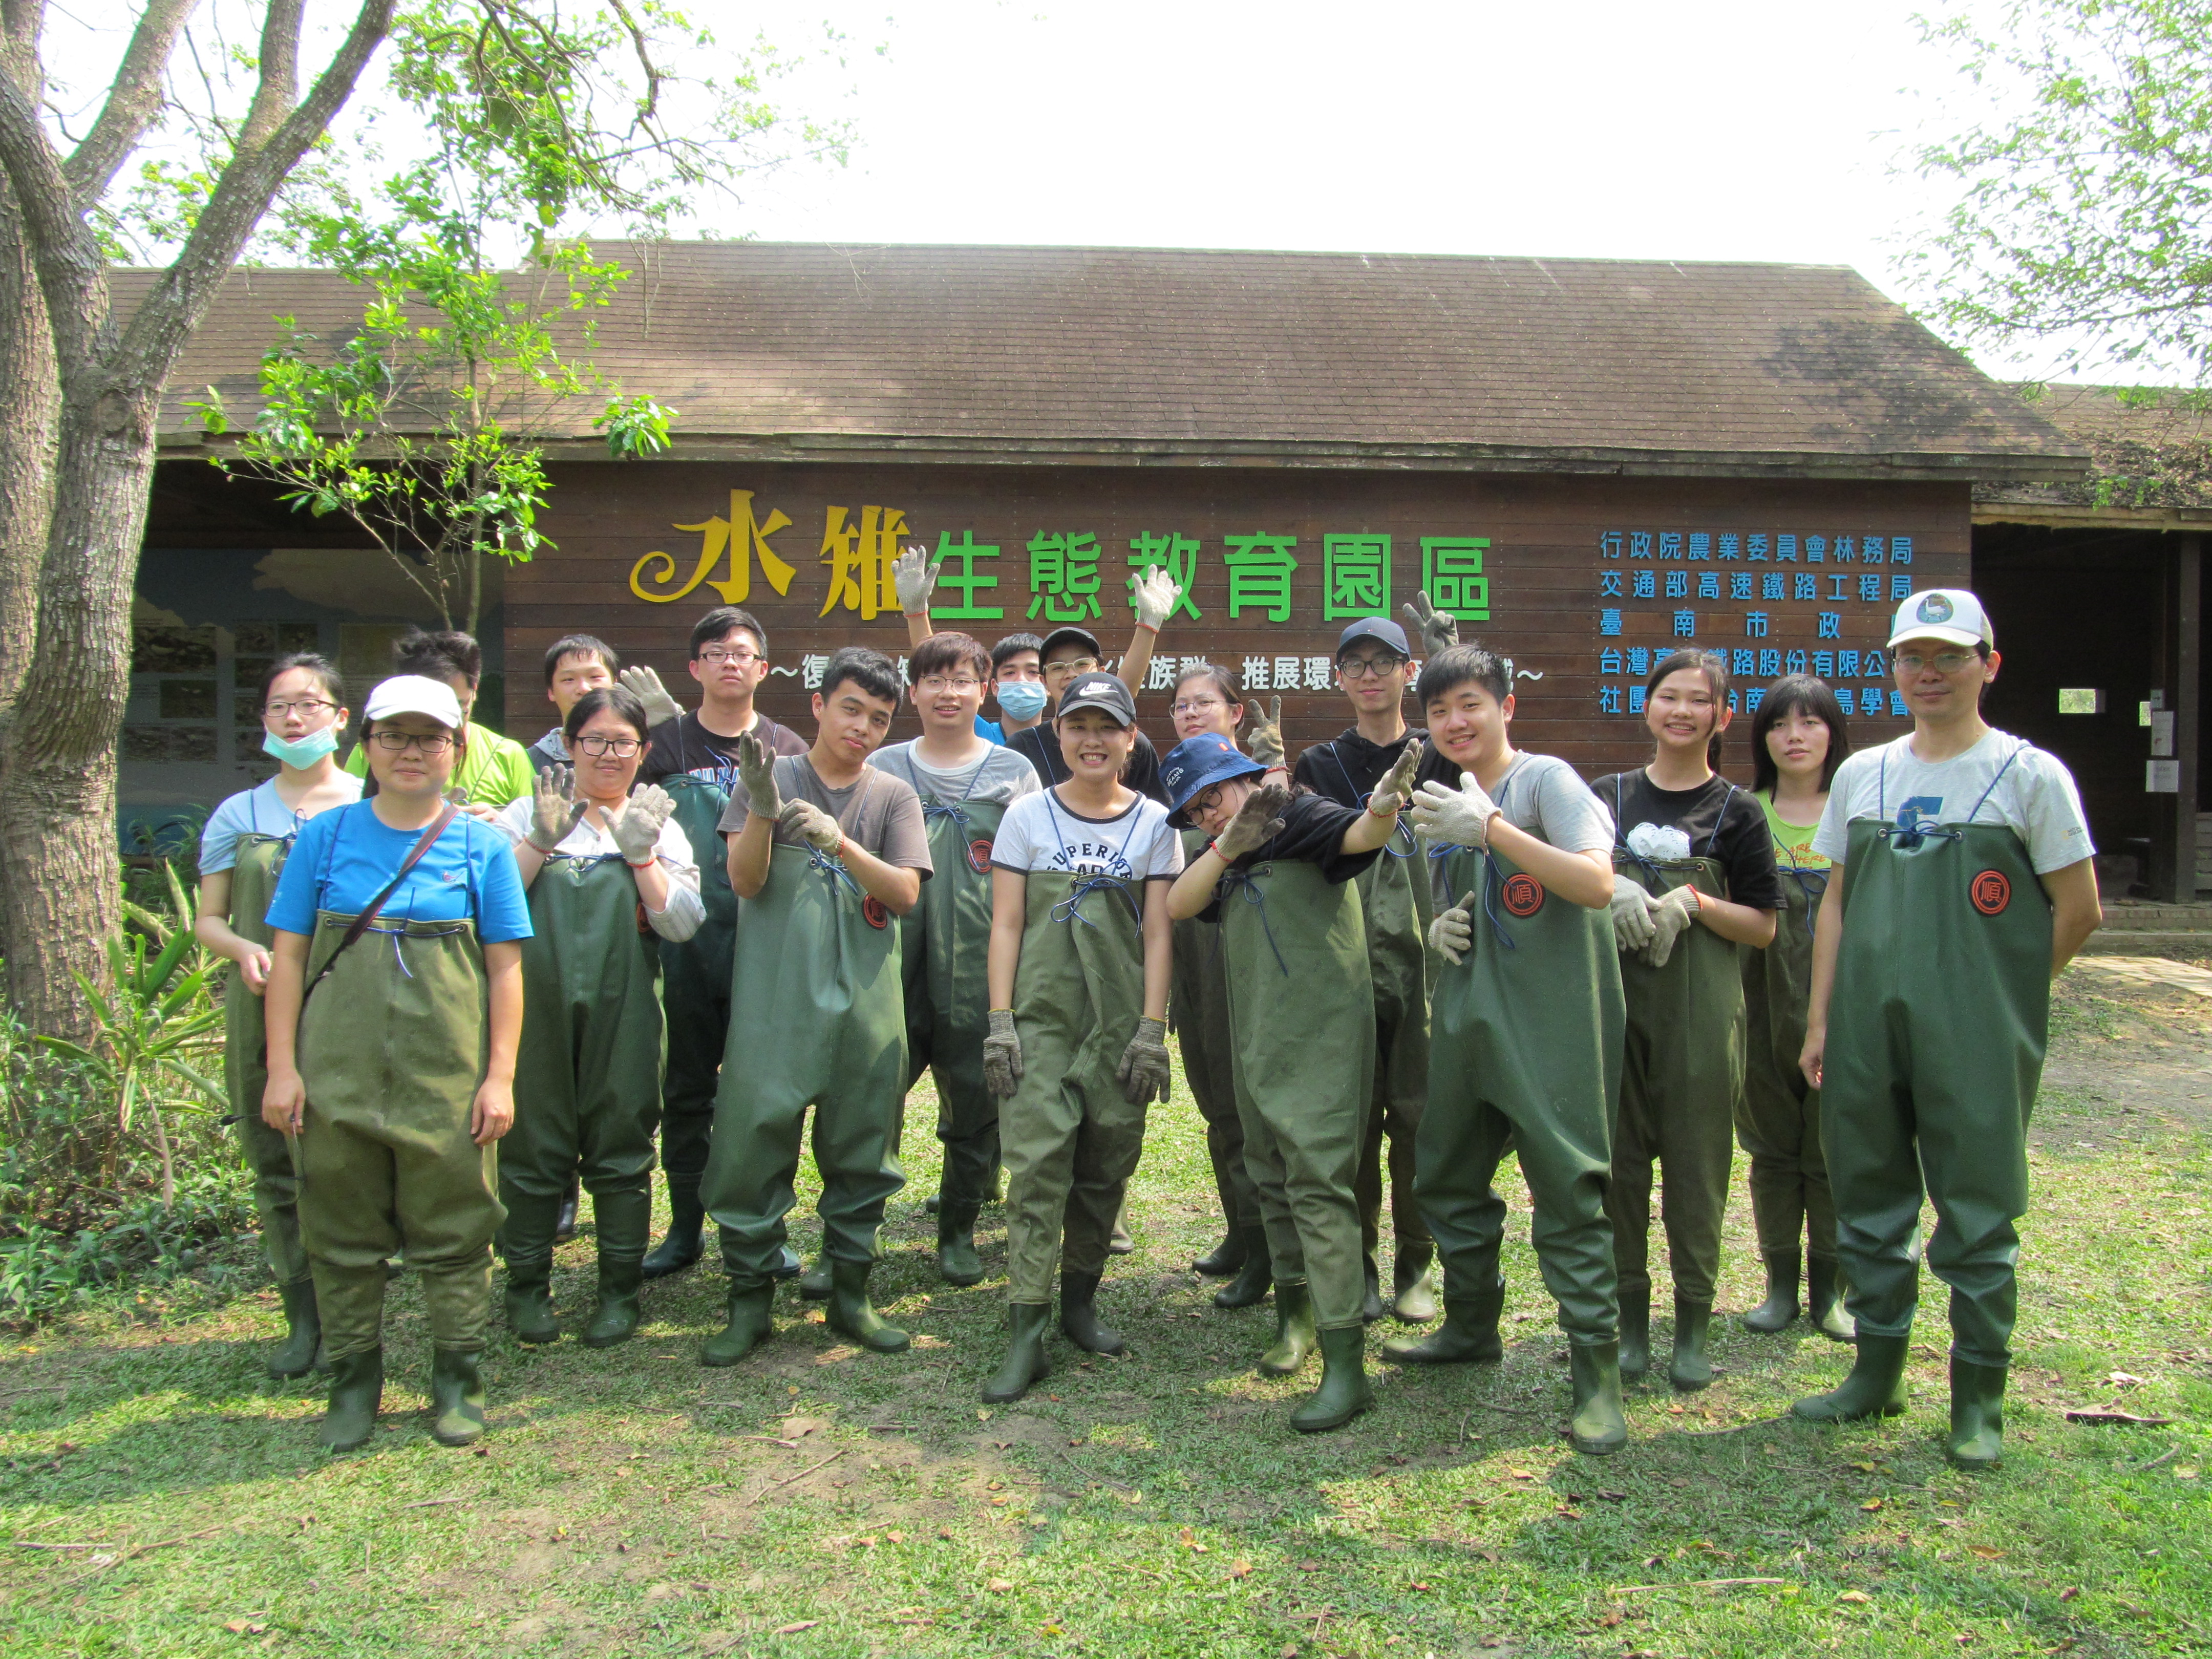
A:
2001, 780
1001, 776
879, 812
1545, 796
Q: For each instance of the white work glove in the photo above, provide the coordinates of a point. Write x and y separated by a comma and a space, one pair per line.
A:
1396, 788
1263, 733
1453, 930
756, 771
637, 831
553, 808
1155, 595
1258, 822
1002, 1054
1143, 1072
1446, 817
804, 819
1633, 926
645, 686
1439, 630
914, 573
1672, 914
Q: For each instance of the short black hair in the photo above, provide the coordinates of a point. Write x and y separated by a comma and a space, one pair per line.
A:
717, 624
622, 702
1012, 646
1805, 694
1448, 670
872, 670
579, 645
941, 654
324, 670
435, 655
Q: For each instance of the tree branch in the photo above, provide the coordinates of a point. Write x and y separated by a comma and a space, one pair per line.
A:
21, 23
133, 100
280, 74
71, 265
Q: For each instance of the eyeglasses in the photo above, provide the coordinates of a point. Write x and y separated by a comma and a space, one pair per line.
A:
310, 707
1366, 668
398, 743
937, 684
1195, 705
1204, 801
620, 748
1070, 665
713, 656
1943, 662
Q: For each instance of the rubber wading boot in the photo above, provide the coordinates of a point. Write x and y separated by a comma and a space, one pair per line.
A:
356, 1390
1370, 1303
457, 1395
1824, 1287
1119, 1243
1414, 1282
1635, 1336
814, 1283
622, 1222
1977, 1438
295, 1355
527, 1241
1294, 1330
851, 1312
933, 1203
1468, 1335
1779, 1311
1078, 1316
1025, 1363
1344, 1391
687, 1223
1599, 1424
1875, 1387
956, 1261
564, 1220
751, 1321
1249, 1288
1224, 1258
1688, 1367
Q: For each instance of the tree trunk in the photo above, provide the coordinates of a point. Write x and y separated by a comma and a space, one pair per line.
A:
30, 399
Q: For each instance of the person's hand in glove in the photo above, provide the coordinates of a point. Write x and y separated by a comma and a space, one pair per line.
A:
1143, 1072
553, 808
1454, 817
1672, 914
1396, 788
637, 831
1155, 595
1633, 926
914, 575
645, 686
1263, 733
1439, 630
756, 771
1002, 1054
1453, 930
804, 819
1258, 822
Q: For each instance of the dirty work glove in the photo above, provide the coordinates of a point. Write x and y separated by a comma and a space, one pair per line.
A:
914, 573
1438, 629
645, 686
1002, 1054
637, 831
1391, 794
1155, 595
1671, 916
1454, 817
1453, 930
804, 819
1264, 732
1258, 822
1143, 1072
756, 771
1633, 926
553, 808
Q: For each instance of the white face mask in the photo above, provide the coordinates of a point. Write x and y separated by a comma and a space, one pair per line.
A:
1020, 700
302, 752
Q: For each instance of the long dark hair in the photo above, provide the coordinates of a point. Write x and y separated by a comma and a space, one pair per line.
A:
1714, 667
1801, 694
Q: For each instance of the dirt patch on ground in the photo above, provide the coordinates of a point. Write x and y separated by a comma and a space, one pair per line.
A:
2131, 1037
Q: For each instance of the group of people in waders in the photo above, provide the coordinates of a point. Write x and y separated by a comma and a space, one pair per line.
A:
473, 979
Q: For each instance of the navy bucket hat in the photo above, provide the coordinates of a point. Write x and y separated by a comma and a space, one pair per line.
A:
1195, 765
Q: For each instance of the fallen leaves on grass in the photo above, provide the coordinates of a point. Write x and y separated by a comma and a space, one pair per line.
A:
1987, 1552
1240, 1568
2114, 1414
999, 1586
1855, 1596
1871, 1504
245, 1626
795, 1628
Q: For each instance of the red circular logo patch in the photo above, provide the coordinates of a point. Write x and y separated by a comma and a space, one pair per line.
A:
979, 856
874, 911
1524, 895
1991, 890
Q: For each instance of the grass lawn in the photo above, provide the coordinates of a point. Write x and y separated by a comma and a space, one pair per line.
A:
158, 1496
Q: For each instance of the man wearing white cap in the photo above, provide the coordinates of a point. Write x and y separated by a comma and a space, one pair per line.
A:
1962, 863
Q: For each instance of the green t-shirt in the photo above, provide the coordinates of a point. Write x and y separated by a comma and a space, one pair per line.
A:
495, 771
1793, 843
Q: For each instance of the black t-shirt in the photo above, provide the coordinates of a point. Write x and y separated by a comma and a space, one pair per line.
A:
1313, 830
1347, 767
682, 744
1040, 746
1722, 821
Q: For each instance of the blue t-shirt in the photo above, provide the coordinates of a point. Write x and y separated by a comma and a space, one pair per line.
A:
992, 729
342, 860
256, 811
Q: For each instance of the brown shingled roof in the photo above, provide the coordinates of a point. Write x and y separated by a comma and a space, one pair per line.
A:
1193, 357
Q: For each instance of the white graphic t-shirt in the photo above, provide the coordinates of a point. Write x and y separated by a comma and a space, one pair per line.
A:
1040, 834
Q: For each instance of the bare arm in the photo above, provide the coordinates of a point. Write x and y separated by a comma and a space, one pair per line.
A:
1738, 924
212, 928
285, 1096
1827, 944
895, 887
2075, 912
1139, 659
493, 1112
1010, 898
1159, 949
1583, 879
1373, 831
651, 879
749, 854
1193, 891
528, 861
918, 628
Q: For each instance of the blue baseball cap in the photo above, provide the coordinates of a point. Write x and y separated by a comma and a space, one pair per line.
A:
1374, 628
1195, 765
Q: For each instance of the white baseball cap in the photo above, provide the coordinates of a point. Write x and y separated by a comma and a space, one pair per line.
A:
414, 694
1943, 613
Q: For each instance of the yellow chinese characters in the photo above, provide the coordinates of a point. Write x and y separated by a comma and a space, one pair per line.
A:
743, 537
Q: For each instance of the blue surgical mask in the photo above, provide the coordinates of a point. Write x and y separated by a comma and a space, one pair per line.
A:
1020, 700
306, 752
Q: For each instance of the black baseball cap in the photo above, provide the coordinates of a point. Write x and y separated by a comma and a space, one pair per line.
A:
1096, 691
1082, 636
1374, 628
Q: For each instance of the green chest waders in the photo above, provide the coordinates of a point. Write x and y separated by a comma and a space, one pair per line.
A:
1777, 1119
1198, 997
817, 1017
1935, 1041
393, 1047
1391, 892
1682, 1071
1070, 1138
946, 939
245, 1064
1525, 1041
695, 988
1302, 1023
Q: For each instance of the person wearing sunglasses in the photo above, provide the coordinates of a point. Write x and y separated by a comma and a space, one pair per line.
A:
593, 856
1961, 884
